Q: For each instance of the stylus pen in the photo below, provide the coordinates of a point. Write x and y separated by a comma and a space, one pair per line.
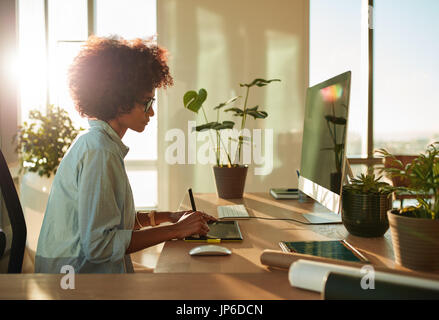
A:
191, 196
204, 240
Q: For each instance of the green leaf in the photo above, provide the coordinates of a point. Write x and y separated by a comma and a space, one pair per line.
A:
258, 82
206, 126
238, 112
188, 97
194, 101
255, 113
226, 103
215, 126
227, 125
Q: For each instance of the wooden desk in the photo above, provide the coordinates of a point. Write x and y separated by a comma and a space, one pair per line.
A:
263, 234
188, 286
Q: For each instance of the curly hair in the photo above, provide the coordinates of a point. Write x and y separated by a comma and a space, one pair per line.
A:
109, 75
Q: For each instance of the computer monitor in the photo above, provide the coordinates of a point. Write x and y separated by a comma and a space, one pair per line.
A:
322, 167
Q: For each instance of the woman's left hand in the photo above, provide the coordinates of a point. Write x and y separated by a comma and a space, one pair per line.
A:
175, 216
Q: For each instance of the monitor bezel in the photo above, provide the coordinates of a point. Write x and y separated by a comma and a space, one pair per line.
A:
326, 197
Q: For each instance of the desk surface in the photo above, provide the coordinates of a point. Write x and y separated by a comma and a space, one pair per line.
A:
261, 234
239, 276
270, 286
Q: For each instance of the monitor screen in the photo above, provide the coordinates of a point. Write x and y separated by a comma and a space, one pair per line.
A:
324, 140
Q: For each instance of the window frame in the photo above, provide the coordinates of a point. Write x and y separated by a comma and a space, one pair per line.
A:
370, 160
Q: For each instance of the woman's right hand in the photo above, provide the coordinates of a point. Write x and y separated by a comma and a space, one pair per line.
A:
190, 223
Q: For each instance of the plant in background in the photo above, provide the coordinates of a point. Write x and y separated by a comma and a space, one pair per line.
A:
44, 139
364, 184
422, 175
194, 102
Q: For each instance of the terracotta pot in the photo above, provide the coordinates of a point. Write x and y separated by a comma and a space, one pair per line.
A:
415, 242
230, 182
365, 215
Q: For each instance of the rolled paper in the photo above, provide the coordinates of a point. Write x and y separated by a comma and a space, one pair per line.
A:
345, 287
277, 259
312, 275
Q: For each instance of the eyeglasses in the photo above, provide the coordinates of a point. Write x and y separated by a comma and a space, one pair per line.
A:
148, 104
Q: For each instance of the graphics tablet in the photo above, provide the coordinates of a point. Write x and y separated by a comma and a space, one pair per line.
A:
220, 231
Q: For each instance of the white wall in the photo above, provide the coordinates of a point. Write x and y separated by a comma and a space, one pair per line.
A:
216, 45
8, 80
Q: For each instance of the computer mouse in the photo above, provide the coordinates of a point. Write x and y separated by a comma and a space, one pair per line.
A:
209, 250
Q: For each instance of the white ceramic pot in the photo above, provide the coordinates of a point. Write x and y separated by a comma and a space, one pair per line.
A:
34, 193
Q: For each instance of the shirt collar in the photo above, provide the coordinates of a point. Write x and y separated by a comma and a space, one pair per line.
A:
102, 125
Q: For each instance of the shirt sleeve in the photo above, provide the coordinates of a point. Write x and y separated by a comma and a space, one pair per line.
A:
102, 193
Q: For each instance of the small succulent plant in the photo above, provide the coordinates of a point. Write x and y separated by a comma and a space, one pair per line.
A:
368, 183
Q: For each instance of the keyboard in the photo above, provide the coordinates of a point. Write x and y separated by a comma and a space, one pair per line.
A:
237, 211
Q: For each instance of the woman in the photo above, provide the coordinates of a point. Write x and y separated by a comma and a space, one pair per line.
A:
90, 221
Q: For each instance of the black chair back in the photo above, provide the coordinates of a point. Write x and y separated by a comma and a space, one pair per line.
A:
2, 242
16, 218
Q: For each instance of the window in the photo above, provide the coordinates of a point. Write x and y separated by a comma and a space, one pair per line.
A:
32, 76
394, 62
406, 68
338, 43
51, 33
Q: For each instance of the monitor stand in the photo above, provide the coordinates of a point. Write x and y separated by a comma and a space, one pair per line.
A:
322, 215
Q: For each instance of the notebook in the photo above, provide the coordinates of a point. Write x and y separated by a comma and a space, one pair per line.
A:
279, 193
220, 231
334, 249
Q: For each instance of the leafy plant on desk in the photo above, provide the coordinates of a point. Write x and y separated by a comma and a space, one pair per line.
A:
415, 229
422, 175
194, 102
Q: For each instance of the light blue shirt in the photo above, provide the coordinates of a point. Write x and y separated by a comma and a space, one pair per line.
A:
90, 213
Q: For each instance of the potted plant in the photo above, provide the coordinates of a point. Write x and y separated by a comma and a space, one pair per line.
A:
41, 144
415, 229
43, 141
229, 176
365, 202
